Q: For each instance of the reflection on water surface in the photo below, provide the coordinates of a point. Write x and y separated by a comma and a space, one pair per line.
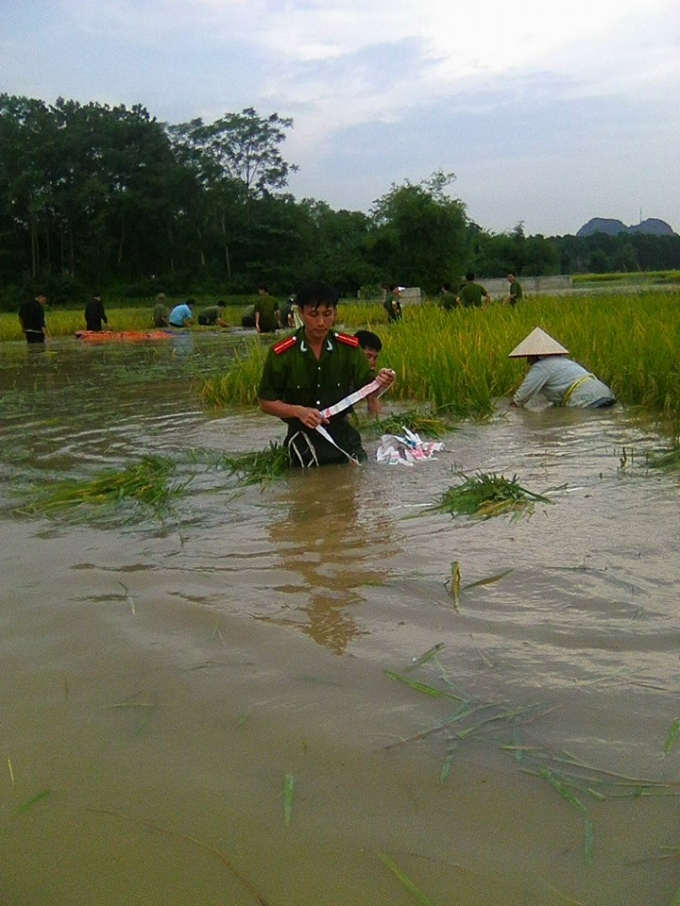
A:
162, 678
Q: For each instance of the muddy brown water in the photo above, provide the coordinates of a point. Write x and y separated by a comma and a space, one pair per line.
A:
162, 678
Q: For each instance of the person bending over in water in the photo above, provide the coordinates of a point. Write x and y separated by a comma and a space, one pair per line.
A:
559, 379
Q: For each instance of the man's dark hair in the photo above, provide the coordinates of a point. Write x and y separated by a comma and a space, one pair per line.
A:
221, 304
191, 302
368, 340
317, 295
446, 287
470, 276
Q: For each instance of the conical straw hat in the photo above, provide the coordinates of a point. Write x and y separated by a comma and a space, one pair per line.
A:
537, 343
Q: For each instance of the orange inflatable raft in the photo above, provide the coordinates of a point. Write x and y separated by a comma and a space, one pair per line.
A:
122, 336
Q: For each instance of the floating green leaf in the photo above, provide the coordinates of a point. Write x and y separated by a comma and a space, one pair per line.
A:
288, 787
406, 881
672, 735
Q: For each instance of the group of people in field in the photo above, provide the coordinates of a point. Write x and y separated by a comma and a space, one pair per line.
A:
471, 294
312, 378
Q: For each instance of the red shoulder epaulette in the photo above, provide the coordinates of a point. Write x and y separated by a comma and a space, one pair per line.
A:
345, 338
284, 345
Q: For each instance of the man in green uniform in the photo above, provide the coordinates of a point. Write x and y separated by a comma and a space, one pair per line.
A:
447, 299
471, 294
515, 290
311, 370
266, 311
212, 316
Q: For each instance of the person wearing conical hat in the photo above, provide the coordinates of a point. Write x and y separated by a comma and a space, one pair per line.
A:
556, 377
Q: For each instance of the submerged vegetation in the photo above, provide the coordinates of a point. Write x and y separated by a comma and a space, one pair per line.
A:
148, 483
487, 495
668, 460
259, 467
581, 784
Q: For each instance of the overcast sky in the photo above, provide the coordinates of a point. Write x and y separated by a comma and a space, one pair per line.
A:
548, 113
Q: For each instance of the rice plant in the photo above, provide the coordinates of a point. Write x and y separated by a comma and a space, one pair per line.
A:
486, 495
260, 467
148, 483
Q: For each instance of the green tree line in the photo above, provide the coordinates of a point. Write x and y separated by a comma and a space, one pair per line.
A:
109, 197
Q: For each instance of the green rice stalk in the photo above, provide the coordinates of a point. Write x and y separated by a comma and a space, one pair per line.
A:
487, 495
454, 585
489, 581
425, 424
406, 881
520, 752
589, 842
562, 789
568, 758
261, 467
672, 735
288, 787
463, 712
148, 483
421, 687
11, 771
667, 460
424, 658
34, 800
505, 715
446, 764
207, 847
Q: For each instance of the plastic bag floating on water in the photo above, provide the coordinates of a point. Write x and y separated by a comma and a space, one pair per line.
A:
406, 449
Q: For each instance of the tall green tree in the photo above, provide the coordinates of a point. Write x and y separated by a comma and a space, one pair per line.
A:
237, 160
419, 236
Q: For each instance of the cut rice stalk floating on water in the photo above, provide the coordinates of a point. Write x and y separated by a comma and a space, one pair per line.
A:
288, 787
487, 495
260, 467
672, 735
406, 881
148, 483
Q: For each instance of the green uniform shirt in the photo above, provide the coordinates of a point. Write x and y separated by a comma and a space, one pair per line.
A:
267, 307
472, 295
515, 292
297, 377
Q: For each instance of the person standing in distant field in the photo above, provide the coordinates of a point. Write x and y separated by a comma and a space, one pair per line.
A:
182, 315
515, 290
32, 319
392, 305
95, 314
266, 311
471, 294
160, 311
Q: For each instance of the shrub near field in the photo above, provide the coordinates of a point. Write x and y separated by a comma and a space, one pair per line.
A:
457, 362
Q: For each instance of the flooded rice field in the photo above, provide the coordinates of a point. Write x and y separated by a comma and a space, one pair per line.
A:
270, 695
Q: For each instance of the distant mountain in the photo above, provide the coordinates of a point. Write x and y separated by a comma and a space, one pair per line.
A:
612, 227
